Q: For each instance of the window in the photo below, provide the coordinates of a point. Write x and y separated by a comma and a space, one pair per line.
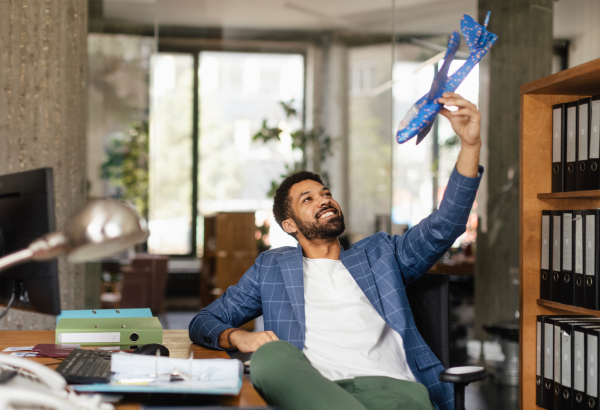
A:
171, 142
217, 166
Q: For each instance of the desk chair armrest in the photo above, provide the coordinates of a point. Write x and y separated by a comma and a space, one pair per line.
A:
462, 376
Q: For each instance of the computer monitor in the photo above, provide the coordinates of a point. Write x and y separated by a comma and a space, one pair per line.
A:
26, 213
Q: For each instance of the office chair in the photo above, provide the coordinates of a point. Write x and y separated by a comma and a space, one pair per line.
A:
429, 302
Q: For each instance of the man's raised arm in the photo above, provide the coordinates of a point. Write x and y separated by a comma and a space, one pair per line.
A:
426, 243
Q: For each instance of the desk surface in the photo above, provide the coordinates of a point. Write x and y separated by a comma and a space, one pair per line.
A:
179, 346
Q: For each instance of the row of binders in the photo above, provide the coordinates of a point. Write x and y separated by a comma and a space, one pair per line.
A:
567, 362
570, 261
576, 145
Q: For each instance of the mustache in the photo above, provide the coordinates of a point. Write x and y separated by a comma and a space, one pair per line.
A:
331, 208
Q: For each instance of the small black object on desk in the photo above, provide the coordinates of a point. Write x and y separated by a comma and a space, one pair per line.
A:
151, 348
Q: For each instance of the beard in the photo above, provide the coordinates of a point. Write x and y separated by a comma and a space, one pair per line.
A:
333, 228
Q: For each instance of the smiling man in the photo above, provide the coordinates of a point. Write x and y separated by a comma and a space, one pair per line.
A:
339, 330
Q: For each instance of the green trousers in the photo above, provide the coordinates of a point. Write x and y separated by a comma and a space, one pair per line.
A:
286, 379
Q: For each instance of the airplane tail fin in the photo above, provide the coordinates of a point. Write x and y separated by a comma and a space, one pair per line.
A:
478, 38
439, 82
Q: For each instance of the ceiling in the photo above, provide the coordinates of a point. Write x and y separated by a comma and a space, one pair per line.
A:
411, 16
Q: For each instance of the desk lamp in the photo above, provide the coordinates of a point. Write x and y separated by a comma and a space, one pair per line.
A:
99, 229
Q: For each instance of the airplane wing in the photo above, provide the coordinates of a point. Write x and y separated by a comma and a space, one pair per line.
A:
439, 82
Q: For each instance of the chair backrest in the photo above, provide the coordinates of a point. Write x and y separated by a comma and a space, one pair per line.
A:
429, 302
145, 283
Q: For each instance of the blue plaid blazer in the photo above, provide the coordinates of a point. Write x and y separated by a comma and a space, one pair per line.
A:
382, 266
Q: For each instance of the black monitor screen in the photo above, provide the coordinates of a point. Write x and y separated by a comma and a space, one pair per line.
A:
26, 213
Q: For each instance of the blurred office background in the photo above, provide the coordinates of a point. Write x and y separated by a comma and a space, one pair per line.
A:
194, 110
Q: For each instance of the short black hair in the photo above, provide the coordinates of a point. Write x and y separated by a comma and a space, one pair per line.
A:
282, 205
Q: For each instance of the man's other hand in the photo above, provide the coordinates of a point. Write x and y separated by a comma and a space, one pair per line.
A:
246, 342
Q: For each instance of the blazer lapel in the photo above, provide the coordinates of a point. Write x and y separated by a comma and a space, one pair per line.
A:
358, 265
291, 265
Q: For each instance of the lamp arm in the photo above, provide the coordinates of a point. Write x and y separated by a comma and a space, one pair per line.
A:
44, 248
16, 258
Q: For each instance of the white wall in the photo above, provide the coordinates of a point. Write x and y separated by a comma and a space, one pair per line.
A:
579, 22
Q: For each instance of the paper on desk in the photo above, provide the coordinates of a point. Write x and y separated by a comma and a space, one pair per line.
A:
18, 349
136, 373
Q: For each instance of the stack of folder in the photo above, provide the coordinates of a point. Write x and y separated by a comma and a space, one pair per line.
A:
567, 362
570, 265
108, 327
576, 145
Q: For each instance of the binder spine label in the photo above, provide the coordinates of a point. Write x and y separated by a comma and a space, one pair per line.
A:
99, 337
538, 369
545, 242
567, 262
590, 232
556, 137
556, 248
583, 132
594, 131
571, 132
579, 362
566, 360
557, 358
578, 244
592, 366
548, 344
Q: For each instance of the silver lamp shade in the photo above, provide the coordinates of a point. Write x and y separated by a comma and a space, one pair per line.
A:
99, 229
102, 228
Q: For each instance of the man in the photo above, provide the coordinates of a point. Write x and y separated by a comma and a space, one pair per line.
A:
350, 338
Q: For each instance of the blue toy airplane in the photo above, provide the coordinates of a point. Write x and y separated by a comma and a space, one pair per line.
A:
419, 119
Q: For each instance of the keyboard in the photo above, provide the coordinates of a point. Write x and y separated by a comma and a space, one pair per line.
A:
86, 367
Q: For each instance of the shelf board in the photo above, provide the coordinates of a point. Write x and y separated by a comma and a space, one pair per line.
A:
568, 308
570, 195
580, 80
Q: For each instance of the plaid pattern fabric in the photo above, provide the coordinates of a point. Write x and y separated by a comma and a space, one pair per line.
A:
382, 266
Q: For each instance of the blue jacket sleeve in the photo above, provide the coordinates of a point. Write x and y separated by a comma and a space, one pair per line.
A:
424, 244
238, 305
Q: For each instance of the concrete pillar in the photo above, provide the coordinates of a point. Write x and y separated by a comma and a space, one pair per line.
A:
335, 120
523, 53
43, 61
326, 107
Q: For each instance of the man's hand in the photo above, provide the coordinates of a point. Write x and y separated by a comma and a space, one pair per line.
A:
466, 122
246, 342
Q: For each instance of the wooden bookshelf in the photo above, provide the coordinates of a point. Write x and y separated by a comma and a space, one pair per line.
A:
537, 98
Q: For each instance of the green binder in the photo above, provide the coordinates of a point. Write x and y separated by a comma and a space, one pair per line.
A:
127, 331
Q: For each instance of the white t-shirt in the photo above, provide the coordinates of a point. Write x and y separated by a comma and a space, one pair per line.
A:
345, 336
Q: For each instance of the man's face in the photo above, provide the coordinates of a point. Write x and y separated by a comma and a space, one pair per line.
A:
315, 213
